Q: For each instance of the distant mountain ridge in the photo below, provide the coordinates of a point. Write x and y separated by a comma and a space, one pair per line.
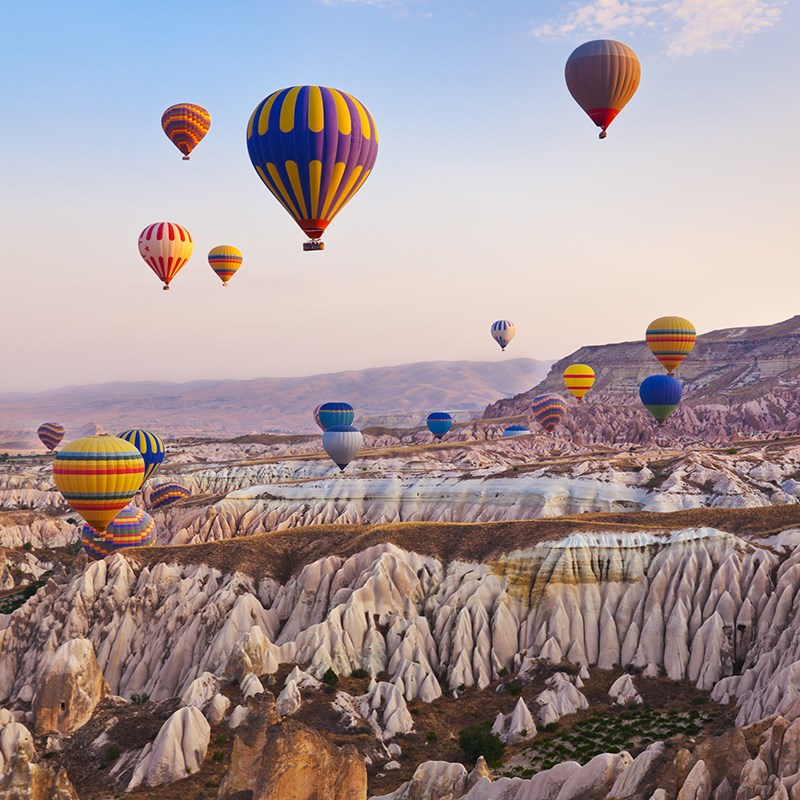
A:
399, 395
736, 381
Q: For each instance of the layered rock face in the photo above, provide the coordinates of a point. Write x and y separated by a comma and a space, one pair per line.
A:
737, 381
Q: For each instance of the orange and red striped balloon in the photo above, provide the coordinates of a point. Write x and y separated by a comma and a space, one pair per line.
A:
186, 124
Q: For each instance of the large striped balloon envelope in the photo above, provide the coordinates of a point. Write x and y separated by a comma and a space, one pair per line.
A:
98, 475
165, 494
186, 124
165, 248
132, 527
579, 378
51, 434
329, 414
149, 445
670, 340
548, 410
225, 259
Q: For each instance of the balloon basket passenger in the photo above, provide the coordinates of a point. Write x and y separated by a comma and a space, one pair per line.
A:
313, 244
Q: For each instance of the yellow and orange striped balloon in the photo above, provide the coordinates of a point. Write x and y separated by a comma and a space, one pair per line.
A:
97, 476
225, 259
670, 340
579, 378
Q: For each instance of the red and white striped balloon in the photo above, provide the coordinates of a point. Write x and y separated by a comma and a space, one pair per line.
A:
165, 247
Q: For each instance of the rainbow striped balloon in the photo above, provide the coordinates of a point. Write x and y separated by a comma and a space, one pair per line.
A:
225, 259
579, 378
548, 410
670, 340
97, 476
51, 434
186, 124
149, 445
132, 527
165, 494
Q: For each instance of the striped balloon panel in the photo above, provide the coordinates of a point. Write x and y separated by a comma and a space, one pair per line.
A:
149, 445
342, 443
98, 475
439, 422
166, 494
579, 378
51, 434
165, 247
660, 395
185, 125
602, 76
313, 147
131, 528
548, 410
515, 430
330, 414
503, 332
670, 340
225, 260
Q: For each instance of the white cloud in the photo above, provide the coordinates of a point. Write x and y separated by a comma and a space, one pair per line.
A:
688, 26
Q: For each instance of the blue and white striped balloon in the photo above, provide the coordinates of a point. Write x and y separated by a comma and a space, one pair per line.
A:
503, 332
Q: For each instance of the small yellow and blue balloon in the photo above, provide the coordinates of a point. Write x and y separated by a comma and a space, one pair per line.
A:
165, 494
578, 378
661, 395
225, 260
514, 430
165, 248
548, 410
51, 434
186, 125
670, 340
503, 332
149, 445
342, 443
334, 413
98, 475
313, 147
602, 76
439, 422
132, 527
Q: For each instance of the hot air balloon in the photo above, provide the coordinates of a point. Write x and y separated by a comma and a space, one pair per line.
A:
661, 395
342, 443
132, 527
165, 494
185, 125
579, 378
602, 76
503, 332
225, 260
165, 247
313, 147
515, 430
329, 414
97, 476
149, 445
439, 422
548, 410
670, 340
51, 434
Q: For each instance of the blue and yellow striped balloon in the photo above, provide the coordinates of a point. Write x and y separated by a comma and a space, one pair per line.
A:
165, 494
132, 527
313, 147
149, 445
97, 476
548, 410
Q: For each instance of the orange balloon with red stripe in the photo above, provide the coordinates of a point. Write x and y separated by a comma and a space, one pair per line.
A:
578, 378
98, 475
670, 340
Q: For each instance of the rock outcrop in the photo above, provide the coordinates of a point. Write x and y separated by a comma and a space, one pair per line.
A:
69, 690
24, 780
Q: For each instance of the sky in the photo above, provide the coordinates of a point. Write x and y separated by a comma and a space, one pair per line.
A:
491, 197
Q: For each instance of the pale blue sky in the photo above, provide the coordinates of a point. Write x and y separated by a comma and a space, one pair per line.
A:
491, 196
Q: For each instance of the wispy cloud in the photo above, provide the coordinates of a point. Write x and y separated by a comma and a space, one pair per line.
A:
688, 26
